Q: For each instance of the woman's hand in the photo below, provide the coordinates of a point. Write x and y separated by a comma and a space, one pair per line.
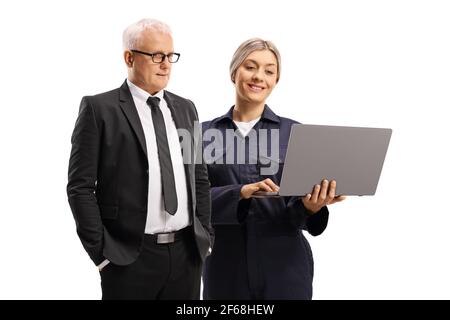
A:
265, 185
321, 196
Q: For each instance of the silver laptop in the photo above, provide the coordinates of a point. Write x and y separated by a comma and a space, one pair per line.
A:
353, 156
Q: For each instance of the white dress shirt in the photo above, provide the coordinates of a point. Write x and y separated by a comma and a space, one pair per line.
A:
158, 220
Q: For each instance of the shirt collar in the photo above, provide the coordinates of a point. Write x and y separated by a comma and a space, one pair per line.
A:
267, 114
141, 93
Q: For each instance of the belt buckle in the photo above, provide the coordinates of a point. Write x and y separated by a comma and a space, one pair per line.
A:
165, 238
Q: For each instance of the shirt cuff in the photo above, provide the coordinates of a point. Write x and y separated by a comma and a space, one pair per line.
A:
103, 264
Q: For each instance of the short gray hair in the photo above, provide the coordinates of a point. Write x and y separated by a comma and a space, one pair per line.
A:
250, 46
132, 32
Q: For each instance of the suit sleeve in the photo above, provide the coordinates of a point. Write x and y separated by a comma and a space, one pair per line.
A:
297, 214
202, 186
82, 182
203, 196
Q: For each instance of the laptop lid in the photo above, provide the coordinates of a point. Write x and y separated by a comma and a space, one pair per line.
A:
353, 156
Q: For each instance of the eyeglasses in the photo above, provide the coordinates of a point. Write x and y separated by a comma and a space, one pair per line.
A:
159, 57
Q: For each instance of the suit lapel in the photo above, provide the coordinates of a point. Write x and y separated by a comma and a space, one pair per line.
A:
171, 103
180, 122
128, 107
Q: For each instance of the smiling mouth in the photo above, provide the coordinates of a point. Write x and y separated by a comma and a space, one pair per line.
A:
255, 88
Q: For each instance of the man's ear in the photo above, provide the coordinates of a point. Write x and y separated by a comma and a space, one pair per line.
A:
128, 56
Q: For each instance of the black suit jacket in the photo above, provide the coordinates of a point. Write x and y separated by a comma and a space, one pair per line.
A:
109, 177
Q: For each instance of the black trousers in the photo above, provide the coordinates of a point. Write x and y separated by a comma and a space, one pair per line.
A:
161, 272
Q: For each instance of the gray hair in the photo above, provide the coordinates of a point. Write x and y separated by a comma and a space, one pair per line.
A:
250, 46
132, 32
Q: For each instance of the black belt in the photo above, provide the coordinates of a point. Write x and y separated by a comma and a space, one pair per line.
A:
170, 237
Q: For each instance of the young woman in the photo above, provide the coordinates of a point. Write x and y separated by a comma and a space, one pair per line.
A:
260, 251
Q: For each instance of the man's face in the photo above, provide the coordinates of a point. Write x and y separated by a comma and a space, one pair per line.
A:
142, 71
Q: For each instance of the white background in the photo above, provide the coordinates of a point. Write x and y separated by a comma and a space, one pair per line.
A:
361, 63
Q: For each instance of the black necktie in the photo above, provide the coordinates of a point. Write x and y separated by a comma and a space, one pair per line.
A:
168, 181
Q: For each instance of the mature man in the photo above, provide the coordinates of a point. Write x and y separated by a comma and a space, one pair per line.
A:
142, 213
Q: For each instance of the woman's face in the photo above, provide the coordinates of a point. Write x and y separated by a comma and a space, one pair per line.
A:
256, 76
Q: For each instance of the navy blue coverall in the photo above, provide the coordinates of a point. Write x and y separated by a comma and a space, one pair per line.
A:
260, 251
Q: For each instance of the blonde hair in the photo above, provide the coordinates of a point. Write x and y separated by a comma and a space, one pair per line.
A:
249, 46
132, 32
